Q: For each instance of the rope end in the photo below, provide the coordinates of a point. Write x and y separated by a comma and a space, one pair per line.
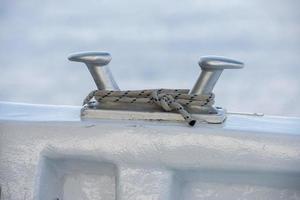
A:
192, 122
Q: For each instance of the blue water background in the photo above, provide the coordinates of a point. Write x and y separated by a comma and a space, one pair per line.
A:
154, 44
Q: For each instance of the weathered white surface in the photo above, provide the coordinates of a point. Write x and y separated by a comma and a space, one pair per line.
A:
46, 152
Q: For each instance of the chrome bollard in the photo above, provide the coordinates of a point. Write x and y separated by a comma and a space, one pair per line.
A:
212, 67
97, 64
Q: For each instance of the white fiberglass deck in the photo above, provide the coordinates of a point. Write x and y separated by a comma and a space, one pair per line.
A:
47, 152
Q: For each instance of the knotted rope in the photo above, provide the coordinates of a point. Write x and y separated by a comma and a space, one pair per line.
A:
167, 99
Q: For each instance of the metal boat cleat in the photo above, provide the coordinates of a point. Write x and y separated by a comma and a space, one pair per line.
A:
211, 66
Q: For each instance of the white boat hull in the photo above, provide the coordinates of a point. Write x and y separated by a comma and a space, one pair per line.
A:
47, 152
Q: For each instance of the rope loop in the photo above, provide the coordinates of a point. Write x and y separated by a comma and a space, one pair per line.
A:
167, 99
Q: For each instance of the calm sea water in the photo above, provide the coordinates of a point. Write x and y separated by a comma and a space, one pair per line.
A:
154, 44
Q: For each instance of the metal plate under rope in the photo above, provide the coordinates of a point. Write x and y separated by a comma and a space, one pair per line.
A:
168, 99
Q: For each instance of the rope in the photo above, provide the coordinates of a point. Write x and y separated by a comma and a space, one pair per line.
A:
167, 99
